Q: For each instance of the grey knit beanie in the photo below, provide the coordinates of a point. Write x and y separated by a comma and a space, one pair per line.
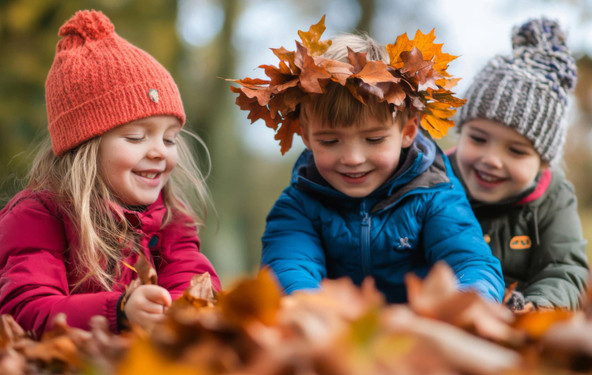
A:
527, 91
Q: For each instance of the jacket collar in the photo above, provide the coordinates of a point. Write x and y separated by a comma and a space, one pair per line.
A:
148, 220
421, 165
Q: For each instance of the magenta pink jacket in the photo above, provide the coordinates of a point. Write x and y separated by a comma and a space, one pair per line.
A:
37, 243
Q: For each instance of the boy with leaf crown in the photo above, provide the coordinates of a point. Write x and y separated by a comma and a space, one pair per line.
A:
372, 195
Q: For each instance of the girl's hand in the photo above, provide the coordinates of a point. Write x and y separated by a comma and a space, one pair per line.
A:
146, 305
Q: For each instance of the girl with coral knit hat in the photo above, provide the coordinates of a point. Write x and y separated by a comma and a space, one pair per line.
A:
104, 191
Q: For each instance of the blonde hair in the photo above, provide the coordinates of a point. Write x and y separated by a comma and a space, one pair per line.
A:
87, 201
357, 43
337, 107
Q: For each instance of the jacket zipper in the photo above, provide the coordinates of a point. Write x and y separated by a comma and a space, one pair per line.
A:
365, 240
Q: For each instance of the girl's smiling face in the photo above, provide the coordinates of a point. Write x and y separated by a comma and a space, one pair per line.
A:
496, 162
136, 159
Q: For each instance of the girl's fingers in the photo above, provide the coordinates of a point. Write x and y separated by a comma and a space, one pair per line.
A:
159, 295
151, 317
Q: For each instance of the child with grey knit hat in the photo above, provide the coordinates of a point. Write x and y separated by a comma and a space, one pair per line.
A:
512, 131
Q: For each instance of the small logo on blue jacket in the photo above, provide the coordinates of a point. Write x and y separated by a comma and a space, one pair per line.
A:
403, 243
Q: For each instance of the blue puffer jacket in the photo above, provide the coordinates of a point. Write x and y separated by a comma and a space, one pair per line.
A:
419, 216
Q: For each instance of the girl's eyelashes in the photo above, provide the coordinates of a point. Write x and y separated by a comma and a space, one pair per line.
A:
477, 138
518, 152
134, 138
138, 138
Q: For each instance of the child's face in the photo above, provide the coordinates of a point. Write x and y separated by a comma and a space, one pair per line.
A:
496, 162
136, 159
356, 160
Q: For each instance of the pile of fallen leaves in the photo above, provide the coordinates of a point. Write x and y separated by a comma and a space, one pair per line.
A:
342, 329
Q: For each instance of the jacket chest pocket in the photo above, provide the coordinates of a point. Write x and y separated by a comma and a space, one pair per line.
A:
514, 250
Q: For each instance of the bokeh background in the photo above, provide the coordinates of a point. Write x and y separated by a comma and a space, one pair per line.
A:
203, 41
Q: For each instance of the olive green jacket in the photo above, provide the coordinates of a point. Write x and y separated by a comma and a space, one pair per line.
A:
538, 238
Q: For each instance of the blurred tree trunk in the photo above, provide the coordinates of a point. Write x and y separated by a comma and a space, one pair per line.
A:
367, 15
223, 239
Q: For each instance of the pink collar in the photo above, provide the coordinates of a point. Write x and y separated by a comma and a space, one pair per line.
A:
540, 189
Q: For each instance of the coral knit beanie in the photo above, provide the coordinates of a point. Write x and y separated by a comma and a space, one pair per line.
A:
99, 81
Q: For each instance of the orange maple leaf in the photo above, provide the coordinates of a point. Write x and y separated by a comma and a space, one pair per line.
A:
421, 59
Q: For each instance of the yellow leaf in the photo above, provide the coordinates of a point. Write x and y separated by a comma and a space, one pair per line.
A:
537, 323
394, 50
144, 359
447, 84
311, 38
437, 127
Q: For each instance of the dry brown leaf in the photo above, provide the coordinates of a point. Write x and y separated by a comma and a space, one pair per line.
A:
341, 329
200, 287
146, 273
251, 299
313, 78
437, 297
462, 351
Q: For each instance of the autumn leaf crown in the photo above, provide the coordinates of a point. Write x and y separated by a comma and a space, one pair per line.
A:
415, 78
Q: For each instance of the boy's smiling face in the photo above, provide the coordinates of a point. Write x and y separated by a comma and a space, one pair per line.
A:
357, 159
496, 162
